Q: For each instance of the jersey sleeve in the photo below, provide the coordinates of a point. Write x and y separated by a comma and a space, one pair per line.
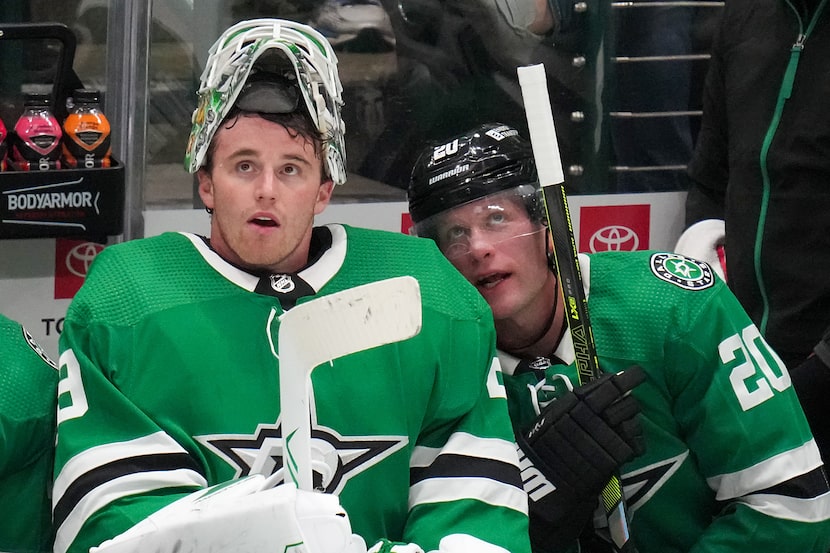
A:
746, 432
464, 468
26, 398
113, 465
27, 437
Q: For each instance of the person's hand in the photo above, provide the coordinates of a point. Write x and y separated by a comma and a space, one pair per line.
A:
582, 438
578, 442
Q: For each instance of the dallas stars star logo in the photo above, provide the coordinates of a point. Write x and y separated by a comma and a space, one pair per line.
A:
640, 485
335, 458
682, 271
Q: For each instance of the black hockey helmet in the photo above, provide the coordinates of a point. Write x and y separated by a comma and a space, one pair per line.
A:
489, 159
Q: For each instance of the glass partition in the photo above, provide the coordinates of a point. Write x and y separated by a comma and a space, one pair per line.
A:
625, 80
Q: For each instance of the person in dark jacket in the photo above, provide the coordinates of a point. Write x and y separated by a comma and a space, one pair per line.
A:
762, 164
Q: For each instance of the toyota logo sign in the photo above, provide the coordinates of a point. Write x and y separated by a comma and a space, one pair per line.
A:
614, 238
80, 258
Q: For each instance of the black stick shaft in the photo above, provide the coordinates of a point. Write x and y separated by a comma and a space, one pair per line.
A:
549, 166
570, 279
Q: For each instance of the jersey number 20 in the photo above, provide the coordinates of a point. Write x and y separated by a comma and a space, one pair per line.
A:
755, 355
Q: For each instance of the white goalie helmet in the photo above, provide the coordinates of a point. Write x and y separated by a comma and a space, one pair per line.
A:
274, 46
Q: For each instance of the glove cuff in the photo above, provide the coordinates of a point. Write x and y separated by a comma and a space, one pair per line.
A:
822, 349
562, 488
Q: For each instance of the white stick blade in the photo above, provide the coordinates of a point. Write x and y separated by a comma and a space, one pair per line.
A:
352, 320
324, 329
534, 86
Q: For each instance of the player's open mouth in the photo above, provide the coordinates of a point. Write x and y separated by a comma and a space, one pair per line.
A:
264, 222
491, 280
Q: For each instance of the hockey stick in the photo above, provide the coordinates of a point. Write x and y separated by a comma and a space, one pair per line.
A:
549, 166
324, 329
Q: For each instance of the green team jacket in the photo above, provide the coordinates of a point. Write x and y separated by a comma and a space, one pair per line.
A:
169, 384
27, 437
730, 463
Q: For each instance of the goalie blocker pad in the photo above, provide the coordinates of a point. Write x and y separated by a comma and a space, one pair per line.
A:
242, 517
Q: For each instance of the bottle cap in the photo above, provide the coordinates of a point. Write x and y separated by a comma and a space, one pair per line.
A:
33, 99
84, 95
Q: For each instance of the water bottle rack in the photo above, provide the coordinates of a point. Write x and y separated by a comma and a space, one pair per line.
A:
83, 203
80, 203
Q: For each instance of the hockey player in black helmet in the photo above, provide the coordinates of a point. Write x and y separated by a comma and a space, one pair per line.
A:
695, 411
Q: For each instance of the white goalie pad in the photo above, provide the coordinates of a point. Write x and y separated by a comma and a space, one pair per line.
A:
241, 517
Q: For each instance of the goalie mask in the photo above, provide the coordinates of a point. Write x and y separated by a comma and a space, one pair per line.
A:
271, 66
491, 161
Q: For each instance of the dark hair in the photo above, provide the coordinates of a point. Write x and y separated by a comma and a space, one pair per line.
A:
297, 124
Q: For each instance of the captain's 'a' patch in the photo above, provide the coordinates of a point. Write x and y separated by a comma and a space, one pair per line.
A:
685, 272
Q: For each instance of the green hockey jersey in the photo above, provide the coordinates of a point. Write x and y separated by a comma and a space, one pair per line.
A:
27, 437
169, 383
730, 463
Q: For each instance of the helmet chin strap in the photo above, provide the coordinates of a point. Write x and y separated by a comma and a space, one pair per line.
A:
549, 253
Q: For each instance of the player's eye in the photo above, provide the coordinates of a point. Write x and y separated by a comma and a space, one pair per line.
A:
497, 218
454, 234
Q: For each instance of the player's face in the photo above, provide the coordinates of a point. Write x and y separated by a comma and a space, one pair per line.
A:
496, 246
265, 188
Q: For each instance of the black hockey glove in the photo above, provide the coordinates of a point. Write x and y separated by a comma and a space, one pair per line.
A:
577, 443
583, 437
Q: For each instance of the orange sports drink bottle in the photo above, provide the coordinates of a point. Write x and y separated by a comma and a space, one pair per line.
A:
86, 133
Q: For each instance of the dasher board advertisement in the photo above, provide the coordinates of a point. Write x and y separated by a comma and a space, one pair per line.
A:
39, 277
